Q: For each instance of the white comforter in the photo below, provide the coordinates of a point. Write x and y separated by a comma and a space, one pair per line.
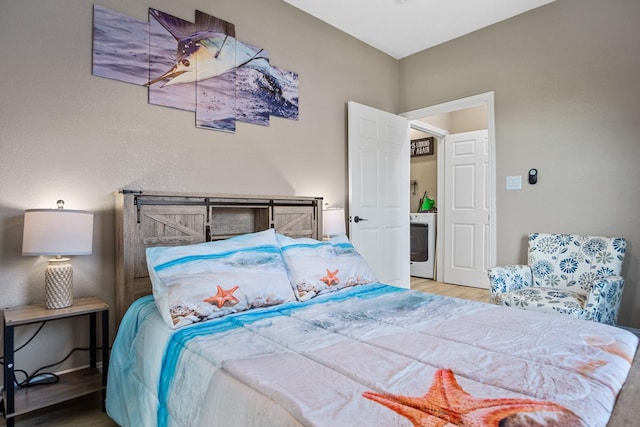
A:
373, 355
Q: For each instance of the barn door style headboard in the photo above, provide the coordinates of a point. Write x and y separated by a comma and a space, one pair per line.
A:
147, 219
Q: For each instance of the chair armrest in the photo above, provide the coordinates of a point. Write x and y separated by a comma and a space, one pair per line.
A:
508, 278
603, 299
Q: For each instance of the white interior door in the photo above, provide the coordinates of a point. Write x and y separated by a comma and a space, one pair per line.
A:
379, 170
467, 207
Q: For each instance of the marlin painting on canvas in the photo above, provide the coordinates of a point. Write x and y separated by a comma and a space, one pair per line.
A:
205, 49
196, 66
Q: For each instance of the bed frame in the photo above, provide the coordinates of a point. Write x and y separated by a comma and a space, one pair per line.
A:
145, 219
149, 218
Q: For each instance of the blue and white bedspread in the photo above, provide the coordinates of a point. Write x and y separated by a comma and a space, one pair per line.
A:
371, 355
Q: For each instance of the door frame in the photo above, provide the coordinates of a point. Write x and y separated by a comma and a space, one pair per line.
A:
486, 98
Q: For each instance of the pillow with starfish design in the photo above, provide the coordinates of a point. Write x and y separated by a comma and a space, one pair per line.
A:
195, 283
317, 267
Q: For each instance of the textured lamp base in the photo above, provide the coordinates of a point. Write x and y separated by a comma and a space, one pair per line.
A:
58, 283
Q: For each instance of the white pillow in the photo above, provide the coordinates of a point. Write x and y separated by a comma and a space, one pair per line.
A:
317, 267
204, 281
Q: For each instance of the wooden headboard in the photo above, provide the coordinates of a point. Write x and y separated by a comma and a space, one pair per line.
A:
146, 219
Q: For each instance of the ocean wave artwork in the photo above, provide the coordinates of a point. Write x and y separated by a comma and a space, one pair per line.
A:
195, 66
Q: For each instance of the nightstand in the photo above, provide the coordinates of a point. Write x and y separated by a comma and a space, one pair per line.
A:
18, 401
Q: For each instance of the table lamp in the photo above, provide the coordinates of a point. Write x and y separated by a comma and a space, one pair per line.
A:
333, 222
58, 232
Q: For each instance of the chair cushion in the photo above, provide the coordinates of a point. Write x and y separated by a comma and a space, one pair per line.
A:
550, 300
571, 262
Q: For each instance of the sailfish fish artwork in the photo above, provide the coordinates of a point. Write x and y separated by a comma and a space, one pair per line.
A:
196, 66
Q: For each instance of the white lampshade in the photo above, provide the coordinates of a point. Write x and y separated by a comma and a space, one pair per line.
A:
333, 222
57, 232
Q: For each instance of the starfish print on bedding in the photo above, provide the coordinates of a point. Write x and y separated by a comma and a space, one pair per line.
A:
446, 402
223, 296
331, 279
608, 344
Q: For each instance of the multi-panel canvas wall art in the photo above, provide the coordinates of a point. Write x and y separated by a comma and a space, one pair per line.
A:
196, 66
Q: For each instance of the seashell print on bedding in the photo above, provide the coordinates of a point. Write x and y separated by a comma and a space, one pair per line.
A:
195, 283
316, 268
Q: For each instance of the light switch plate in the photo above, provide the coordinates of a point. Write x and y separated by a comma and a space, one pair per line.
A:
514, 182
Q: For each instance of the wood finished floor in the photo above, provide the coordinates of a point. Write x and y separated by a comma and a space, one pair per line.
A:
86, 411
464, 292
81, 412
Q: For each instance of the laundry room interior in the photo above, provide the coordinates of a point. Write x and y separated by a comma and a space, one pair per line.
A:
428, 138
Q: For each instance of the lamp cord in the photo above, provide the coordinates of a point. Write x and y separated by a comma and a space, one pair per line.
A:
28, 380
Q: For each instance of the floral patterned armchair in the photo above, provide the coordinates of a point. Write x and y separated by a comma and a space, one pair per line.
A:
567, 274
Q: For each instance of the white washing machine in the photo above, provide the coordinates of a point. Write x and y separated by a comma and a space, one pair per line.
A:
423, 244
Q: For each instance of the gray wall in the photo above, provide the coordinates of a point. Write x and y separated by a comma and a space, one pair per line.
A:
567, 102
66, 134
565, 79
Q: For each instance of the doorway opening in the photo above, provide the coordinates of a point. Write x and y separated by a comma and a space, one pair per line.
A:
432, 121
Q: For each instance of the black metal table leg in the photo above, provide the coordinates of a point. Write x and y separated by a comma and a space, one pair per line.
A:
105, 355
8, 375
92, 340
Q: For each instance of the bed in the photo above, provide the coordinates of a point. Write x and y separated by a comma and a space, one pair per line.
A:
340, 349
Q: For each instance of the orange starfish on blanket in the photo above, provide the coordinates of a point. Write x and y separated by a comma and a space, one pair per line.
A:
608, 344
446, 402
331, 278
223, 296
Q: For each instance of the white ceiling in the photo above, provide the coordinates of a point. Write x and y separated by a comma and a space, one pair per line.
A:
403, 27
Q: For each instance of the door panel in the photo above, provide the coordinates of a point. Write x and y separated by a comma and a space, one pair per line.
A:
466, 217
295, 221
462, 246
378, 177
167, 226
463, 187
